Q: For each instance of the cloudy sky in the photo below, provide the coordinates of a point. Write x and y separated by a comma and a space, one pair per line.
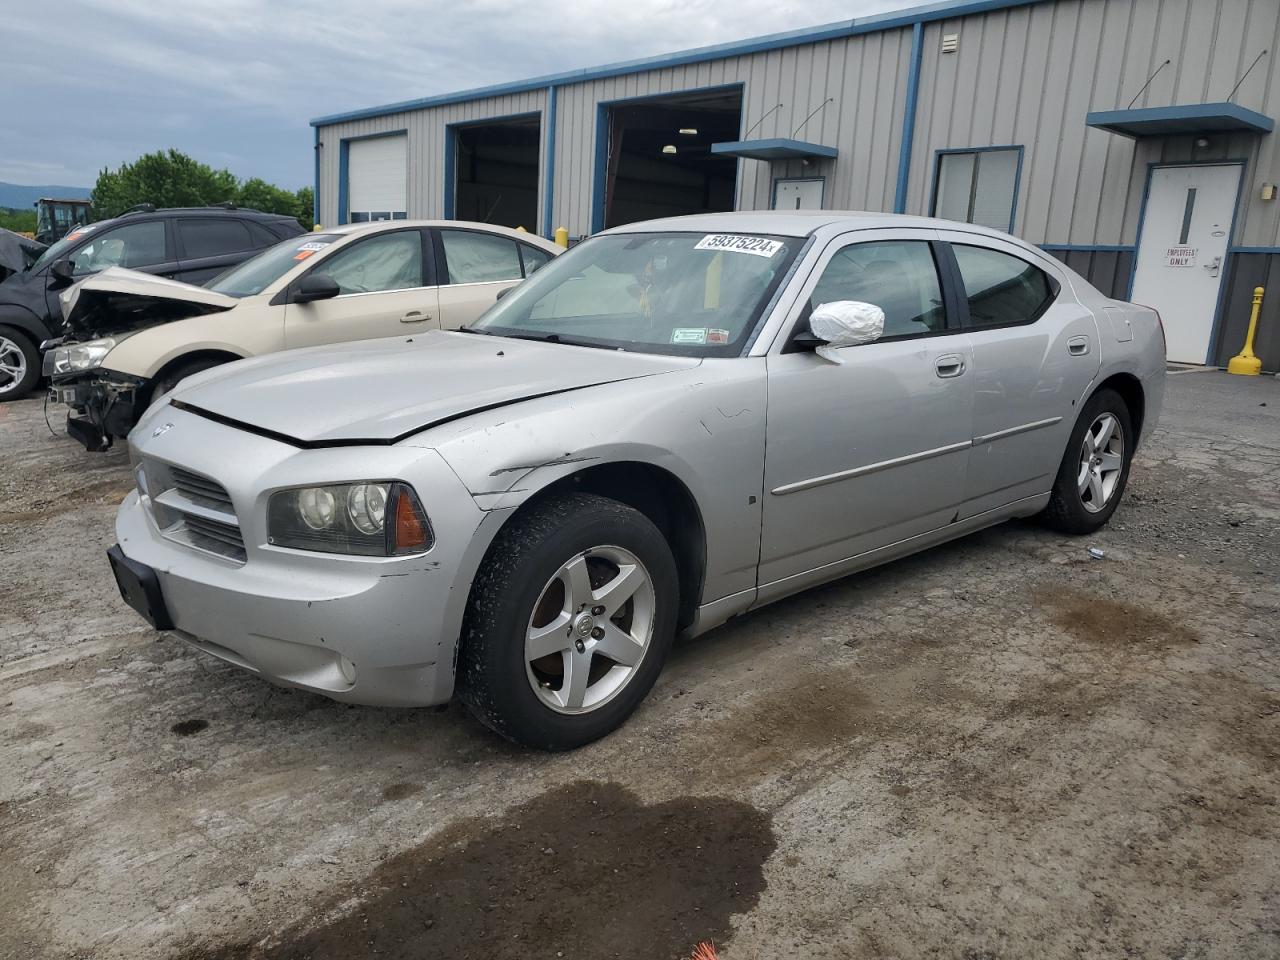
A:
234, 82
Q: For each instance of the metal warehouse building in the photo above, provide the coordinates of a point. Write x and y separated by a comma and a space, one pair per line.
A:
1131, 138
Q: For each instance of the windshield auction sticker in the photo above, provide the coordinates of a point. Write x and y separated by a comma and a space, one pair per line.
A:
309, 248
756, 246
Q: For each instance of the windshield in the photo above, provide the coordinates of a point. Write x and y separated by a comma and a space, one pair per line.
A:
60, 249
690, 294
257, 273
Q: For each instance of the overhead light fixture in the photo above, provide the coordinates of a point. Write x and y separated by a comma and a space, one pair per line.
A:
669, 148
689, 131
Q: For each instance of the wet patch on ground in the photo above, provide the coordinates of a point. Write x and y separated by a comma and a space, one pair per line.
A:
586, 870
185, 728
1106, 622
400, 791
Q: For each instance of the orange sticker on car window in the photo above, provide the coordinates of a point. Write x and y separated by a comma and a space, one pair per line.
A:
303, 254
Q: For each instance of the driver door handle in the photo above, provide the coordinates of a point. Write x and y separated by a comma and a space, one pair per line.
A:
415, 316
950, 365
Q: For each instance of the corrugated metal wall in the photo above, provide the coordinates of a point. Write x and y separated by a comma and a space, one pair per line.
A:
1029, 75
426, 144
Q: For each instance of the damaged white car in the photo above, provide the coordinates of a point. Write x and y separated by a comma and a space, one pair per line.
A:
135, 336
672, 424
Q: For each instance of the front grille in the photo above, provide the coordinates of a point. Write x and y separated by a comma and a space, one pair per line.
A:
194, 510
199, 488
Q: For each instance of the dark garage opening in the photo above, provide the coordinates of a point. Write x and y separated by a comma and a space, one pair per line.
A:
659, 156
496, 173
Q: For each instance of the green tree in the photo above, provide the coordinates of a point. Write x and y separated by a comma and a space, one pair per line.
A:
169, 178
306, 207
166, 178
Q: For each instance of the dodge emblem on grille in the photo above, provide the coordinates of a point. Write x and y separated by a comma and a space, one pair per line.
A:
162, 429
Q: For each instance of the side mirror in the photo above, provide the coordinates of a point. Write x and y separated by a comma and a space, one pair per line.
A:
61, 273
315, 286
502, 293
842, 323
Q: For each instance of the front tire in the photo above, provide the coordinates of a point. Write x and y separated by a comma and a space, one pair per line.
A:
176, 375
1095, 467
569, 621
19, 364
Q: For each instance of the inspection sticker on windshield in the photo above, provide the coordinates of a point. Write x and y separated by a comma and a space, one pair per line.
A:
689, 335
756, 246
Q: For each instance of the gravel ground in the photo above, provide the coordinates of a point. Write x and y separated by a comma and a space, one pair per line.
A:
1000, 748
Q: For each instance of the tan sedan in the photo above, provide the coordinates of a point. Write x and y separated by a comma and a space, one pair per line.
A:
138, 335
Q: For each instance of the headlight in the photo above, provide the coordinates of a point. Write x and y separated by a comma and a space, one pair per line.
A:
82, 356
377, 518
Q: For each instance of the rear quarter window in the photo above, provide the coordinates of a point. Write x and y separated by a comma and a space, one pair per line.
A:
1001, 289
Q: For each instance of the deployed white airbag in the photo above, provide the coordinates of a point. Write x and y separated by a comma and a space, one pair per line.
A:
845, 323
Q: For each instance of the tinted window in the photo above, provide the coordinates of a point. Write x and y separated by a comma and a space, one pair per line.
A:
390, 261
131, 245
262, 237
1002, 289
898, 276
212, 238
533, 258
479, 257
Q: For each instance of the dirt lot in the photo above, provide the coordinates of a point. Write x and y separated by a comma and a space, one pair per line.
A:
1002, 748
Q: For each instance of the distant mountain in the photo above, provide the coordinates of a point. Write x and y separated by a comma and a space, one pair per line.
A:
21, 197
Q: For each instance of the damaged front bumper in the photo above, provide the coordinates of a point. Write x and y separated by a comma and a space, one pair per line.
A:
104, 405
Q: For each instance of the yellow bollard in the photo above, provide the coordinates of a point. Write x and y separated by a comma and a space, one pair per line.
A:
317, 228
1245, 362
562, 237
521, 230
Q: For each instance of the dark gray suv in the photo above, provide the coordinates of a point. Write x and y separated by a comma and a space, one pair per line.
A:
191, 244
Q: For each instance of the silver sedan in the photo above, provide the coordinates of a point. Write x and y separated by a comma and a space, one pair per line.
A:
674, 423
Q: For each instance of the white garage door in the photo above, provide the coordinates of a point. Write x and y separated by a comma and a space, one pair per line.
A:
377, 179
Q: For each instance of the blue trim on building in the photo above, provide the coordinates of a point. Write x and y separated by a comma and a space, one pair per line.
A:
549, 175
1017, 175
600, 171
344, 166
1178, 120
833, 31
451, 153
774, 148
1086, 247
909, 119
1271, 251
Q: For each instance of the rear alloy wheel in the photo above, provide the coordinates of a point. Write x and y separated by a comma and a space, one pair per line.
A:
19, 365
1094, 468
568, 623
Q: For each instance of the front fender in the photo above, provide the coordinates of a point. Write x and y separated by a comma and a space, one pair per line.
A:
703, 425
19, 317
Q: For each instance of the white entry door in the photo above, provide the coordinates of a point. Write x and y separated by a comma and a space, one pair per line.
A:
798, 194
1185, 233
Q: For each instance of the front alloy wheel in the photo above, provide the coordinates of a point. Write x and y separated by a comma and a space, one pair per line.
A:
19, 365
568, 622
590, 629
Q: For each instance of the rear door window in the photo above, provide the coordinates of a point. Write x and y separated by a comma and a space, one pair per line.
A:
212, 237
1002, 289
473, 257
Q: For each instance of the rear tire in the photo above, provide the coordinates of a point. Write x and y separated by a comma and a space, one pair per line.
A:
19, 364
1095, 467
591, 582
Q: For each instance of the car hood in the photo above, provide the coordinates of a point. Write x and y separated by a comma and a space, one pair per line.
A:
119, 300
382, 391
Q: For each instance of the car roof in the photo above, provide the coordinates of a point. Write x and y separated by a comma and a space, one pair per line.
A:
800, 223
379, 226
